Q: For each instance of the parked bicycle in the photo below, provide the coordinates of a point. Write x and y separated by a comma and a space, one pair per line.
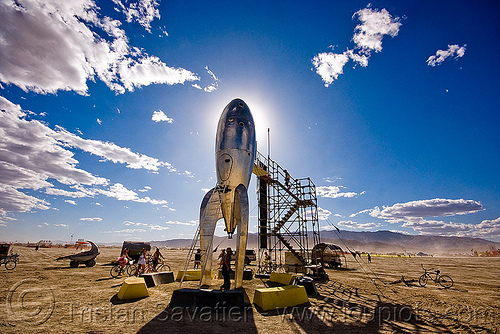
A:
268, 267
9, 260
119, 270
444, 280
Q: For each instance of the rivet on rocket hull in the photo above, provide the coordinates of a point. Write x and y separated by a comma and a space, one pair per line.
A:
235, 147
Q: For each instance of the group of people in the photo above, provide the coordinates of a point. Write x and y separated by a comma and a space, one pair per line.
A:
143, 259
224, 264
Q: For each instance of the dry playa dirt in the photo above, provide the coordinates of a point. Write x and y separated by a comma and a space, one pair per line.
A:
44, 296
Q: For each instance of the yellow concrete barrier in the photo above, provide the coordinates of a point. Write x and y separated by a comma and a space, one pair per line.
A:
282, 278
191, 275
280, 297
132, 288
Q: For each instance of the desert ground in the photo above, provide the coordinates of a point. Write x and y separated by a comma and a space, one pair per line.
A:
44, 296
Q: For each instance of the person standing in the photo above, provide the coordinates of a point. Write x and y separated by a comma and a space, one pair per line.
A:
221, 257
226, 269
287, 179
142, 262
197, 259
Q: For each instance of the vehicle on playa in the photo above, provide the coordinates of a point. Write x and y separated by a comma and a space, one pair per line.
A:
329, 255
135, 248
9, 260
85, 257
250, 256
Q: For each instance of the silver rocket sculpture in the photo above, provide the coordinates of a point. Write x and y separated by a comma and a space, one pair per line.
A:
235, 148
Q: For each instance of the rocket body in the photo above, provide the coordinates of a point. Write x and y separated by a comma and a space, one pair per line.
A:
235, 147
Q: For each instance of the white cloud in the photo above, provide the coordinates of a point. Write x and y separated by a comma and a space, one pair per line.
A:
126, 232
437, 207
61, 192
158, 228
142, 11
94, 219
374, 25
412, 215
33, 156
191, 223
330, 65
121, 193
485, 229
70, 201
61, 225
135, 224
110, 151
367, 37
89, 45
360, 212
214, 85
323, 214
334, 192
160, 116
356, 225
441, 55
145, 189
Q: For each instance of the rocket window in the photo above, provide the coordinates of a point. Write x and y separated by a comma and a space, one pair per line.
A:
241, 124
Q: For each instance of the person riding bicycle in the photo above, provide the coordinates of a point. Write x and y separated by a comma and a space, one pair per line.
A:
124, 258
156, 258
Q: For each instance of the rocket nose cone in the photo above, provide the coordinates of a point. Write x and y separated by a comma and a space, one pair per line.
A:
237, 105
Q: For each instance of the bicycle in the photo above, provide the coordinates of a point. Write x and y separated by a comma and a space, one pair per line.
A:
161, 266
444, 280
118, 269
9, 261
270, 267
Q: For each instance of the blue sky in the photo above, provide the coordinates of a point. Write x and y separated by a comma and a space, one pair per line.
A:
109, 112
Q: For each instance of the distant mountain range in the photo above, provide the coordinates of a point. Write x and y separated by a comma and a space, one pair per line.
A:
376, 242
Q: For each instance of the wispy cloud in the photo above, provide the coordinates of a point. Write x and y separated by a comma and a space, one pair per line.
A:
334, 192
33, 156
89, 45
91, 219
212, 86
454, 51
191, 223
356, 225
323, 214
368, 35
142, 11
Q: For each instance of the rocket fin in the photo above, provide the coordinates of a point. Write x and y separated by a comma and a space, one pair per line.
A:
210, 213
241, 215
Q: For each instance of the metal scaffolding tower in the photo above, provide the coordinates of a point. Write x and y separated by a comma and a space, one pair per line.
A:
288, 215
